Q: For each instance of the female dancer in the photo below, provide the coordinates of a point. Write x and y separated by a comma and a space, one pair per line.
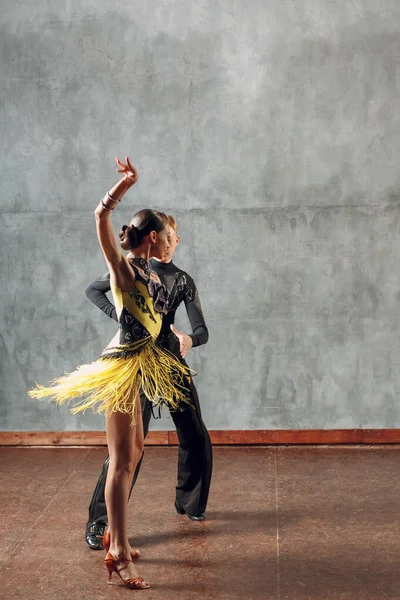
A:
132, 361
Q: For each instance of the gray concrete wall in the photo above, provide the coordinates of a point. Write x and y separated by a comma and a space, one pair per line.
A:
271, 129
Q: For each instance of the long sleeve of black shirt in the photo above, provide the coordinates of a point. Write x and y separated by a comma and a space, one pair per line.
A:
195, 314
97, 293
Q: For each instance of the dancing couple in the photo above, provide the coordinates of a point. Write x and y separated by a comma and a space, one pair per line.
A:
143, 366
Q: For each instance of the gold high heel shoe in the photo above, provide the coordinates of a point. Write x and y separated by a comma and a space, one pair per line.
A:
106, 546
118, 564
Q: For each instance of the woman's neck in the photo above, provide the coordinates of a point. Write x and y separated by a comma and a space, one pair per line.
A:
142, 251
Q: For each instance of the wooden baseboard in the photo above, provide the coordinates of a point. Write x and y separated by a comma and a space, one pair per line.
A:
218, 437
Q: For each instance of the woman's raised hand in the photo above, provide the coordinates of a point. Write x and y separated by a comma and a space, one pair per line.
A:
130, 173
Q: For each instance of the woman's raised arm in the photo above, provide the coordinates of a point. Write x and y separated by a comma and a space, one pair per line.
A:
120, 270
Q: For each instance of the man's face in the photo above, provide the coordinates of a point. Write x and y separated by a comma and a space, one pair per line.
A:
173, 239
160, 242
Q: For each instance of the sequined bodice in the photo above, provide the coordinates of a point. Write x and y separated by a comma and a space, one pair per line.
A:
139, 310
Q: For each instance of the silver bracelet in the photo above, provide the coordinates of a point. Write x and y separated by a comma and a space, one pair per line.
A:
105, 205
113, 199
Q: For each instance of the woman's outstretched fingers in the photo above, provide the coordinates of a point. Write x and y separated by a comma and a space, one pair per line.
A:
127, 169
121, 165
128, 162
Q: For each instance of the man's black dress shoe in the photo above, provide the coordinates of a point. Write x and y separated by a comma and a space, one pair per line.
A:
181, 511
94, 535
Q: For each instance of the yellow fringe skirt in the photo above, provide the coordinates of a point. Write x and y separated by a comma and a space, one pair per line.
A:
112, 384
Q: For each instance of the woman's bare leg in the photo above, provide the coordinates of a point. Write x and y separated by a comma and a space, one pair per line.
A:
125, 446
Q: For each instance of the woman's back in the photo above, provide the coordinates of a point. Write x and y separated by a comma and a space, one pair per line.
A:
139, 311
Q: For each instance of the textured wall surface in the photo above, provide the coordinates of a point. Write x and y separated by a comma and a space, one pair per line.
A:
271, 129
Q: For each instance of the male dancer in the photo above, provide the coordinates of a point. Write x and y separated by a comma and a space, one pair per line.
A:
195, 451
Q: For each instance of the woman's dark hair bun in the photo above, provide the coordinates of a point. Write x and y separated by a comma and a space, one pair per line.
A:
128, 237
143, 222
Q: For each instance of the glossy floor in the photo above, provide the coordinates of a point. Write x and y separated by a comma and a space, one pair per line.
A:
293, 523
